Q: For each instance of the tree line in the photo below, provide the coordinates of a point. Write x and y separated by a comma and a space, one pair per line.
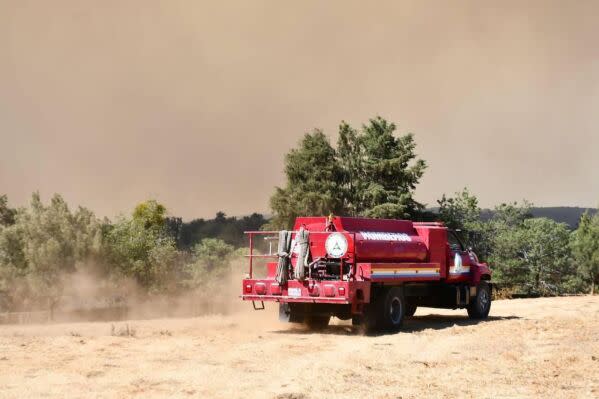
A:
44, 245
528, 255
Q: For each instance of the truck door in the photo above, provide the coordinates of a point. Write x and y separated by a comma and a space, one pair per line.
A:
459, 258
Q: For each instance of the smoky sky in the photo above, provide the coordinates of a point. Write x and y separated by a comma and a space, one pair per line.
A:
195, 103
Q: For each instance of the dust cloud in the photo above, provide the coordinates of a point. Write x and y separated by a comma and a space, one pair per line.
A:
88, 296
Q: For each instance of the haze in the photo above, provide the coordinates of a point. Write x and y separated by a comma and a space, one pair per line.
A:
196, 103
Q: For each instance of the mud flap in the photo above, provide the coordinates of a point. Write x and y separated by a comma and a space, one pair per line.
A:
290, 314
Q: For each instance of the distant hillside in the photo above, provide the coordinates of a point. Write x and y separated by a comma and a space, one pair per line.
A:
228, 229
563, 214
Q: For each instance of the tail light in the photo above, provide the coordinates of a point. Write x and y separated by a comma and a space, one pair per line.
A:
275, 289
341, 291
329, 290
260, 288
248, 288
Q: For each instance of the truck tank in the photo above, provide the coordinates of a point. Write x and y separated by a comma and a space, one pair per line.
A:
376, 240
389, 247
385, 240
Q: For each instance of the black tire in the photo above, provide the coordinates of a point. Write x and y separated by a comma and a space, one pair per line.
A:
393, 309
386, 311
317, 322
410, 309
480, 307
371, 321
290, 313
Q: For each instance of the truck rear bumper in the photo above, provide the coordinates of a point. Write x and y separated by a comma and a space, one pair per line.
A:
308, 291
280, 298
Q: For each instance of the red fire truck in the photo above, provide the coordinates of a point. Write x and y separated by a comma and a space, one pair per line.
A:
372, 271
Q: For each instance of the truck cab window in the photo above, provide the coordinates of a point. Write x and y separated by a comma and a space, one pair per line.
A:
454, 243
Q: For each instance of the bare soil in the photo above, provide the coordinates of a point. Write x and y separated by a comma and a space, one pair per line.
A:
546, 347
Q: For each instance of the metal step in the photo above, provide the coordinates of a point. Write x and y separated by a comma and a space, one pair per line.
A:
462, 295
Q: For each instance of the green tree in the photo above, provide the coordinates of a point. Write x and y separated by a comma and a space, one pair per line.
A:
505, 256
512, 214
140, 247
312, 186
7, 215
229, 229
211, 260
585, 248
45, 244
150, 214
390, 171
484, 235
462, 213
533, 257
371, 173
350, 157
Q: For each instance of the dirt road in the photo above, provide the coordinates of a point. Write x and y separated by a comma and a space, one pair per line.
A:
528, 348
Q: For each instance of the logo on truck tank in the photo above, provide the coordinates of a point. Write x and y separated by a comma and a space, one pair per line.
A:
336, 245
370, 235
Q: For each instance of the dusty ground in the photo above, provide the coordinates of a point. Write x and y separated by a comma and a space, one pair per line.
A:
528, 348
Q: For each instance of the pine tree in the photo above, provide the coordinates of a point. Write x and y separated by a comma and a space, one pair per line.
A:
312, 188
585, 248
372, 173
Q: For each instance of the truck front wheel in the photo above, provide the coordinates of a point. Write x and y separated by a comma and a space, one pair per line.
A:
480, 307
410, 309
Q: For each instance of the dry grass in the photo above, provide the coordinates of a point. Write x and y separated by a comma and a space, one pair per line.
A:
528, 348
122, 331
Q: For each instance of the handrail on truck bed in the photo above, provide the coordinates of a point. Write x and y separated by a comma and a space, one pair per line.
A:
251, 234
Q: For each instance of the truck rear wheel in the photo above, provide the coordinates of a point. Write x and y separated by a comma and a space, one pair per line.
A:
480, 307
291, 313
386, 310
393, 309
317, 322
